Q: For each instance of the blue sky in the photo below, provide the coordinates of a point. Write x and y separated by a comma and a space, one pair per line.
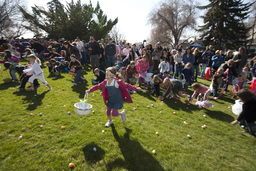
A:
132, 15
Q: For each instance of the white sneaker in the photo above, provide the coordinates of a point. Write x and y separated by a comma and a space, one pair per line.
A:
109, 123
123, 117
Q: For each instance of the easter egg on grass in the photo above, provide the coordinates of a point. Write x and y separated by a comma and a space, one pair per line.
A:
71, 165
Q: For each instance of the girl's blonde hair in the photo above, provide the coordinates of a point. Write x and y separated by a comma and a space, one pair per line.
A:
155, 78
167, 82
112, 70
196, 51
220, 70
36, 59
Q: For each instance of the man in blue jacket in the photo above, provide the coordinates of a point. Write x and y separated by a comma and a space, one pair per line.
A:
110, 52
217, 60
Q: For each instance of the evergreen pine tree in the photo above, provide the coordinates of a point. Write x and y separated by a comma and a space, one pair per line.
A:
70, 21
224, 26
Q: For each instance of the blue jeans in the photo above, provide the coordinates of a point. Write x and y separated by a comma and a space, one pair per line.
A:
177, 70
150, 69
197, 71
230, 78
187, 83
111, 60
84, 59
78, 77
41, 56
203, 70
215, 91
12, 73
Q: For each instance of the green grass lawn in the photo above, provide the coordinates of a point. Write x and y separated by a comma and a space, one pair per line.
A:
125, 146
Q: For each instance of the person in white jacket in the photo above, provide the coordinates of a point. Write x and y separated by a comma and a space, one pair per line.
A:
164, 66
37, 72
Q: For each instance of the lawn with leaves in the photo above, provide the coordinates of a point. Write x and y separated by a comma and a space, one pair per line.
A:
124, 146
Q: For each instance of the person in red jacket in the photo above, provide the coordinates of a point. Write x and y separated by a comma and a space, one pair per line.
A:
114, 92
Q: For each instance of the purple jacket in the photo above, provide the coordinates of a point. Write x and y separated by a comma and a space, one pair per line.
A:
13, 58
123, 86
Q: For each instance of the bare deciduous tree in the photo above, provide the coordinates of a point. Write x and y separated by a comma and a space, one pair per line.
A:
116, 35
252, 24
171, 19
10, 18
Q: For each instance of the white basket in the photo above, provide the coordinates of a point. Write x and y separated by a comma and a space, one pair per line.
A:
82, 108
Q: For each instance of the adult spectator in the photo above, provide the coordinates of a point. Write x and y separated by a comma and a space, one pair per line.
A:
80, 45
122, 46
252, 67
188, 57
229, 55
38, 48
206, 56
240, 59
102, 54
158, 46
178, 65
125, 51
156, 58
19, 48
110, 52
197, 55
118, 51
94, 51
135, 50
71, 50
217, 60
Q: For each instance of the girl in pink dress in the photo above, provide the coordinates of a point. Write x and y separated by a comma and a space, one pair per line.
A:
142, 65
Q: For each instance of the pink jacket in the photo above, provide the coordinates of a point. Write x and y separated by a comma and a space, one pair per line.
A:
117, 50
123, 86
203, 90
142, 66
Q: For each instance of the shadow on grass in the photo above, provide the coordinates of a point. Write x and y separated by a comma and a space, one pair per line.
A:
147, 94
219, 115
136, 158
87, 68
92, 156
80, 88
177, 104
58, 77
5, 86
31, 97
227, 99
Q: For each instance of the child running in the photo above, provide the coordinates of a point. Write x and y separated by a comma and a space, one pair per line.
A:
37, 72
114, 93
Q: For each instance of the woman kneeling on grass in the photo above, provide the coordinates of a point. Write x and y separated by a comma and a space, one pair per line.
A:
114, 91
37, 72
248, 116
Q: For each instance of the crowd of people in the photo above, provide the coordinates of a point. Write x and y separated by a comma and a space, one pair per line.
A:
125, 64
